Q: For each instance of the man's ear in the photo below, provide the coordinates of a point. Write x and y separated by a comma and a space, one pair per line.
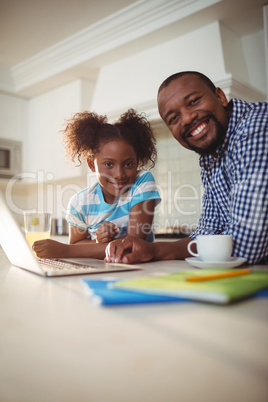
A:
221, 96
90, 163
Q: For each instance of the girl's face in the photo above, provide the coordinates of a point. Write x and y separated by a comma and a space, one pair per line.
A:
116, 166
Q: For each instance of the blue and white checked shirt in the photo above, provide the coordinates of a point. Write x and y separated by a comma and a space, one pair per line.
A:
235, 197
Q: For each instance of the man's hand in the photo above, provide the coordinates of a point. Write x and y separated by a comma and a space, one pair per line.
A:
129, 250
106, 232
49, 249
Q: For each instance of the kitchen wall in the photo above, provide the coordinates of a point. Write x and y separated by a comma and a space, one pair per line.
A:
48, 178
236, 64
214, 50
177, 174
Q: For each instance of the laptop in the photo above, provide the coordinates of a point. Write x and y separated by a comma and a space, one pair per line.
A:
19, 253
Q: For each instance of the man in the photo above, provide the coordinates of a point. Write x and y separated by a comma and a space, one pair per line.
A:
232, 140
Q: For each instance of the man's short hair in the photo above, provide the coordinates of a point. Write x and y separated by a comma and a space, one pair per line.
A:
201, 76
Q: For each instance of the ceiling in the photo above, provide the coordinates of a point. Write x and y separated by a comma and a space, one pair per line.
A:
28, 28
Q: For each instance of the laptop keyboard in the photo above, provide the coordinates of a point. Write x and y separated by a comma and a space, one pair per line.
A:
58, 266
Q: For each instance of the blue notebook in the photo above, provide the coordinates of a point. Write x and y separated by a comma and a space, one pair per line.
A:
102, 293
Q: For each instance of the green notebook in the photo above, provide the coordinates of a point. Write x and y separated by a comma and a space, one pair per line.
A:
223, 291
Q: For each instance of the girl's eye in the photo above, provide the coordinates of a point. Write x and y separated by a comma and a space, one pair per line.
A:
129, 164
108, 164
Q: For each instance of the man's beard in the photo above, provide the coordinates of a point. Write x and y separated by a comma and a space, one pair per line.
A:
215, 142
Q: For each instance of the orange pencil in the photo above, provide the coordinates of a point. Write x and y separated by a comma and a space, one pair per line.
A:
218, 276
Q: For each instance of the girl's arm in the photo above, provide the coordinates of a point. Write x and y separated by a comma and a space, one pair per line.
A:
141, 219
79, 246
78, 235
53, 249
139, 226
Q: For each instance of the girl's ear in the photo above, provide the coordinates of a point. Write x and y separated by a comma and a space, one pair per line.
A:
90, 163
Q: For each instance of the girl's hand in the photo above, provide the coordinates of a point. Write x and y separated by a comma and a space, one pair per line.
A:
106, 232
50, 249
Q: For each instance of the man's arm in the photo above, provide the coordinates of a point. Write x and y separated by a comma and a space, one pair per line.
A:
249, 209
249, 191
235, 200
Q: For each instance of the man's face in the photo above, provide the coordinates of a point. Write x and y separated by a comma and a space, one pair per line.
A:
197, 117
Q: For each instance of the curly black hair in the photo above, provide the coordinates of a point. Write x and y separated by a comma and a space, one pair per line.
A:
86, 132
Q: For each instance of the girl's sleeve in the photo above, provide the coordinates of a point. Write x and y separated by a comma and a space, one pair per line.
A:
144, 189
74, 214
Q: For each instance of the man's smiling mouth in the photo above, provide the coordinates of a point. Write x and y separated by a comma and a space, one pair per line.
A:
198, 129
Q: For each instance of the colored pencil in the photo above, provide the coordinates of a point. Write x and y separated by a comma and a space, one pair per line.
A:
219, 275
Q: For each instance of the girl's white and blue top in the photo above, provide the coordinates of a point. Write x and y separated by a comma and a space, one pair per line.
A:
88, 210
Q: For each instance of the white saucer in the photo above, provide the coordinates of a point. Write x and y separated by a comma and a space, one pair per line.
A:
232, 263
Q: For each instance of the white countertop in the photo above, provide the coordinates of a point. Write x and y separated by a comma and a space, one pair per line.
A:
56, 345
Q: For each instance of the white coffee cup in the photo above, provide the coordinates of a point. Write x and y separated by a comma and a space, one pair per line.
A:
212, 247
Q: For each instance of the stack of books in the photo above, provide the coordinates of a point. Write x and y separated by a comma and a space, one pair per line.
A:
220, 286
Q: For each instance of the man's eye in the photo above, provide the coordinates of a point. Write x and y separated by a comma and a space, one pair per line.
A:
173, 118
194, 101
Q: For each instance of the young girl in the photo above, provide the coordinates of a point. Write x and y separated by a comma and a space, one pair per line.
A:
123, 199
